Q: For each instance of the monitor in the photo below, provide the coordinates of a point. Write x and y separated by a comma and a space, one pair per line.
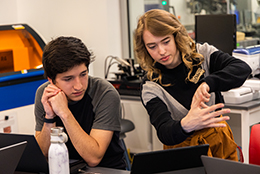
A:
218, 30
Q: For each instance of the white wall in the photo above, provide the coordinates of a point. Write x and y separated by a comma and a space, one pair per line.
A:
136, 10
8, 12
97, 23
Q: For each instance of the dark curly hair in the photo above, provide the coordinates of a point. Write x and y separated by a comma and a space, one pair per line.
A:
62, 54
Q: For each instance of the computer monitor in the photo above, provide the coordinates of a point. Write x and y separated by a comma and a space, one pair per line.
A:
218, 30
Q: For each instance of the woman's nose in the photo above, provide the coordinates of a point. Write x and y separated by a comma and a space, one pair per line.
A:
161, 50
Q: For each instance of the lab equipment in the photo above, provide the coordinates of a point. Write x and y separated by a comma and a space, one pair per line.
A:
209, 6
21, 72
238, 95
7, 122
250, 55
250, 90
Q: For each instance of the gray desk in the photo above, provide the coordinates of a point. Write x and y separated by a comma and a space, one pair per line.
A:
94, 170
103, 170
250, 115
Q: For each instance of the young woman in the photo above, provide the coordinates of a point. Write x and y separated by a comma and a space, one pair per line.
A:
182, 88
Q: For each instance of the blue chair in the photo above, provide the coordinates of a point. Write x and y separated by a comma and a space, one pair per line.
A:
126, 126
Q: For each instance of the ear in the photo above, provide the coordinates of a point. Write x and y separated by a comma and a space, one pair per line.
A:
50, 80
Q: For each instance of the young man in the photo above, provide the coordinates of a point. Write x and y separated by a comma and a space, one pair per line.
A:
87, 107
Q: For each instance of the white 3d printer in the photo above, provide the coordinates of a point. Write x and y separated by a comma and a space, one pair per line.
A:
250, 90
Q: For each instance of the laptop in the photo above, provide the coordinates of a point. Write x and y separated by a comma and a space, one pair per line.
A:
163, 161
215, 165
10, 157
33, 159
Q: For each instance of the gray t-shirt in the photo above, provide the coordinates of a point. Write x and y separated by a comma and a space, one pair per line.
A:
100, 108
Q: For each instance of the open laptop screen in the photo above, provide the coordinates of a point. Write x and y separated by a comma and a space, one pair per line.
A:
32, 159
212, 166
10, 157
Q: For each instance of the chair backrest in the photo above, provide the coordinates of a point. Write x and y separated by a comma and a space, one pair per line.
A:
126, 126
254, 145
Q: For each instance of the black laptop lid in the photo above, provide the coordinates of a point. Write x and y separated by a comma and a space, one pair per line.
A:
32, 159
212, 166
169, 160
10, 157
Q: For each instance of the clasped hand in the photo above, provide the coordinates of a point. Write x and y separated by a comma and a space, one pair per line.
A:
202, 116
54, 101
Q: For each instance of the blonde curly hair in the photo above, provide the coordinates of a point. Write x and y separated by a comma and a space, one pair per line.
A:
162, 23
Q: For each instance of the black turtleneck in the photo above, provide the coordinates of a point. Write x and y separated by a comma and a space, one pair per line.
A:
223, 72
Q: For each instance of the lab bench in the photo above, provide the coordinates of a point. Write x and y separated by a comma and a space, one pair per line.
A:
242, 117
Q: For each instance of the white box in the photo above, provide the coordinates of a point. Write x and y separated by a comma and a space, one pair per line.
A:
251, 60
238, 95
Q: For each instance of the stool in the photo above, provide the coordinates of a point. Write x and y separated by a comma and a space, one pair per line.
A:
126, 126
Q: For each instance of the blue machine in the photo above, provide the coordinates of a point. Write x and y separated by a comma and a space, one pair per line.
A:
20, 75
18, 90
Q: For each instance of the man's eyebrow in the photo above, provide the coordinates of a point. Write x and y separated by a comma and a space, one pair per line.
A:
84, 71
68, 76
